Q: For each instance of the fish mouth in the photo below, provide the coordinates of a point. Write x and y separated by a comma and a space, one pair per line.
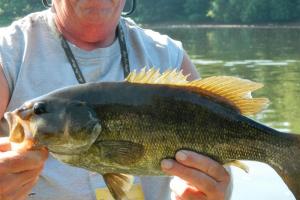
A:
16, 130
19, 128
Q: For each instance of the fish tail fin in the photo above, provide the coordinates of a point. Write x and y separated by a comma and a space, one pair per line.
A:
289, 167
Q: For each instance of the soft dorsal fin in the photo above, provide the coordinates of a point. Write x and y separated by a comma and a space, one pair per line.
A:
235, 91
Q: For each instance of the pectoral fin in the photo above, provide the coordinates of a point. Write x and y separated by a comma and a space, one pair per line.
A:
118, 184
121, 152
238, 164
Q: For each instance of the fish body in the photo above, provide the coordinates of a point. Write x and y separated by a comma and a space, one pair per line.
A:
129, 127
155, 121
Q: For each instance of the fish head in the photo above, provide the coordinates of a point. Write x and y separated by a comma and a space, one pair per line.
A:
63, 126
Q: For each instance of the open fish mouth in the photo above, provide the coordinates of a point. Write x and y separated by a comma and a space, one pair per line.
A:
19, 128
22, 137
18, 133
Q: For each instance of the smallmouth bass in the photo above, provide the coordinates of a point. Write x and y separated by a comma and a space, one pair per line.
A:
118, 128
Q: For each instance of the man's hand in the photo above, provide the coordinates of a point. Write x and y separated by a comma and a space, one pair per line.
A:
19, 172
197, 177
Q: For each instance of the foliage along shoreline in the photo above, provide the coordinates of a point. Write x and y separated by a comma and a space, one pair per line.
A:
166, 25
241, 12
215, 25
219, 11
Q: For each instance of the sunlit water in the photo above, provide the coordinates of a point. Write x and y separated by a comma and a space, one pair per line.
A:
267, 55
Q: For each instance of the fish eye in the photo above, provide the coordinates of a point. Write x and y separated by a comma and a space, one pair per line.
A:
39, 108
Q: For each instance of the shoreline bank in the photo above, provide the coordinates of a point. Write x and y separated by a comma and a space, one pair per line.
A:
236, 26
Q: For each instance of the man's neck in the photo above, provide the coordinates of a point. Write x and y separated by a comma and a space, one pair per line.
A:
87, 36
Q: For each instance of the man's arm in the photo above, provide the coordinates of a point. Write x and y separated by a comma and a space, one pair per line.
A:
188, 68
19, 171
197, 176
4, 93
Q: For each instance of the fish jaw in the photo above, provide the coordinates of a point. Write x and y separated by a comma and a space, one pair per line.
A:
71, 147
21, 137
63, 126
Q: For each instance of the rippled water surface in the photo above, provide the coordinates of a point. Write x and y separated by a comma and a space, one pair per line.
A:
267, 55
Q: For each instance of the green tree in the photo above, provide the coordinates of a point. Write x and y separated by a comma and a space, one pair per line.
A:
13, 9
297, 9
159, 10
196, 10
219, 10
228, 11
178, 11
256, 11
283, 10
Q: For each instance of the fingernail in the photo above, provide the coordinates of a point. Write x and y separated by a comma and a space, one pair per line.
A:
180, 155
167, 164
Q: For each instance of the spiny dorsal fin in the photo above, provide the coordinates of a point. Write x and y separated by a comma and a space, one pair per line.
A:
153, 76
235, 91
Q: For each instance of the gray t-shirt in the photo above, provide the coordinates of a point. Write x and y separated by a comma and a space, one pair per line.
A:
34, 63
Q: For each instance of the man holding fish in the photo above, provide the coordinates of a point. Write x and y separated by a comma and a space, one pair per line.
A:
87, 41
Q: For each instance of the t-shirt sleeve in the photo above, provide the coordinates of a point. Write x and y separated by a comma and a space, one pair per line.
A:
173, 49
176, 52
149, 48
11, 42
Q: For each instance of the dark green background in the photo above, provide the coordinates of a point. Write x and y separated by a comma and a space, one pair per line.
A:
185, 11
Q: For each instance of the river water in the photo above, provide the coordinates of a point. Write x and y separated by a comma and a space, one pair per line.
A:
269, 55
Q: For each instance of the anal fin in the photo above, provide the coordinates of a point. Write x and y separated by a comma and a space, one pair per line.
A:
238, 164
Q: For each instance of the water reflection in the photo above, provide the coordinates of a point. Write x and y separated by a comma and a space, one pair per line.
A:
239, 43
267, 55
